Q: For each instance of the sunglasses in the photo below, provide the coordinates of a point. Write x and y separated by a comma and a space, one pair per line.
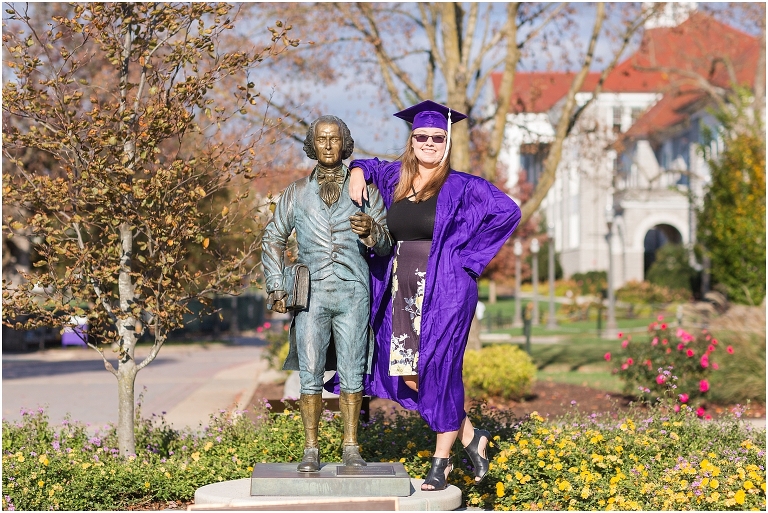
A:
422, 138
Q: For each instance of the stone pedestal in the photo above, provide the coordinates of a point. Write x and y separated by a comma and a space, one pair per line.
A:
333, 480
236, 495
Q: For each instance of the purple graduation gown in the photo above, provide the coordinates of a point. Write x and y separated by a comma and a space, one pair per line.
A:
473, 219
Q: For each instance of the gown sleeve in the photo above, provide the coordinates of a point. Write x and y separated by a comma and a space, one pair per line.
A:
494, 217
381, 173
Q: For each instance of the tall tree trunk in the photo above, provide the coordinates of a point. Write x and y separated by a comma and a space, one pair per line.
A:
126, 382
126, 329
492, 292
564, 124
505, 95
126, 323
456, 81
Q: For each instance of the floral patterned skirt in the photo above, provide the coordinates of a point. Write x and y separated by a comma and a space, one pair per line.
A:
409, 272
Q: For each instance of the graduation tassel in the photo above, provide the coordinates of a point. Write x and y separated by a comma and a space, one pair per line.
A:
448, 140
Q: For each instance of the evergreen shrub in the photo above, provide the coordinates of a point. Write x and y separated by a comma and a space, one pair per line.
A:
731, 222
671, 268
591, 283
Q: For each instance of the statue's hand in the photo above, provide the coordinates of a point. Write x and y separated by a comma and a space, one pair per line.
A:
358, 190
361, 224
276, 301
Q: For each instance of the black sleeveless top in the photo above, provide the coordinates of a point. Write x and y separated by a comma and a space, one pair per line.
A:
408, 220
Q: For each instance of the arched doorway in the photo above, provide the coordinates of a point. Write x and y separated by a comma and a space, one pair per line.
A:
655, 238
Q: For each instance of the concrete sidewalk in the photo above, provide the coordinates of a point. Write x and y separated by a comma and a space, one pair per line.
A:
187, 383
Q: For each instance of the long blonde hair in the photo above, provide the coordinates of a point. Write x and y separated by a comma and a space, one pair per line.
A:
409, 168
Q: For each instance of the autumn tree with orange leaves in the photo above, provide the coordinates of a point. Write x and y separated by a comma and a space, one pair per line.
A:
124, 216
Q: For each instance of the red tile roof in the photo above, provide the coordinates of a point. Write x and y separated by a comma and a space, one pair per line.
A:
699, 45
669, 111
539, 91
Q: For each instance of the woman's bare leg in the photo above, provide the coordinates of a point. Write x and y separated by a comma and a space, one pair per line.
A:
445, 441
467, 431
412, 382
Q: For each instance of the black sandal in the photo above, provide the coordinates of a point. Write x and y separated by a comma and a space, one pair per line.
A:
479, 462
436, 477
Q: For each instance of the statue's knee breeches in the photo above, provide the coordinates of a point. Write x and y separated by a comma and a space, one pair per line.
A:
341, 308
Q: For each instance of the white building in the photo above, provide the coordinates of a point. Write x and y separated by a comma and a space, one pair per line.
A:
635, 148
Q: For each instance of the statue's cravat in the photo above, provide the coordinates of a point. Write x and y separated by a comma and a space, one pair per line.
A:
330, 175
330, 181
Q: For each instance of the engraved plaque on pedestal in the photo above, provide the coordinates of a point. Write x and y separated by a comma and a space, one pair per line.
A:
333, 480
369, 471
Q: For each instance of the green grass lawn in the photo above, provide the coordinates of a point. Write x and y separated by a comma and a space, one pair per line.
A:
593, 377
498, 316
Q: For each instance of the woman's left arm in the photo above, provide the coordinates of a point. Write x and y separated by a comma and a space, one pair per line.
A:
495, 217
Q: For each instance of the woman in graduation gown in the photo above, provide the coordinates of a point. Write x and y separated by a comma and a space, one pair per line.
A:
449, 225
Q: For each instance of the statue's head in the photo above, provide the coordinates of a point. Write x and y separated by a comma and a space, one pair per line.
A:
328, 141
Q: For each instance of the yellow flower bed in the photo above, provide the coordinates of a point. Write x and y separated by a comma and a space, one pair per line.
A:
599, 463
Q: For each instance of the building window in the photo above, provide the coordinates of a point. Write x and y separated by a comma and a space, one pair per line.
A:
636, 113
532, 158
617, 111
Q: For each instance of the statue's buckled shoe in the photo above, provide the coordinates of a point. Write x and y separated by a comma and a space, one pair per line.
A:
311, 460
351, 457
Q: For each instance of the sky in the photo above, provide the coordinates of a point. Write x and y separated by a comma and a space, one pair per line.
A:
380, 133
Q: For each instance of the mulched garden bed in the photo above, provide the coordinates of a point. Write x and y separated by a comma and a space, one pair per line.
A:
547, 398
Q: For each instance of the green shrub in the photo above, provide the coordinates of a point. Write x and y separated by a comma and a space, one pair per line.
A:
671, 268
591, 283
500, 370
647, 292
731, 222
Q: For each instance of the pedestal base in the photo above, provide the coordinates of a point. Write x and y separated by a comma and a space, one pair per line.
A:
236, 495
334, 479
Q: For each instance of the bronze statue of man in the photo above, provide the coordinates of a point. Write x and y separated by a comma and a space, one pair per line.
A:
334, 237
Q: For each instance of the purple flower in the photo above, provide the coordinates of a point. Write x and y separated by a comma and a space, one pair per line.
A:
55, 445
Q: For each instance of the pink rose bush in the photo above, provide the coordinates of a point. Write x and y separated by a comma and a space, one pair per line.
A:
679, 367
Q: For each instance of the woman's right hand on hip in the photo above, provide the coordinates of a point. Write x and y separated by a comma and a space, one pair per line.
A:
358, 189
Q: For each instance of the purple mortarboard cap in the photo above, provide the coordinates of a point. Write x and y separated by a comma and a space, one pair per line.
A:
429, 114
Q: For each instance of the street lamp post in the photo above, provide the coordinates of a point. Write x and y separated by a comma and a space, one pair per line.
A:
518, 250
551, 322
535, 278
611, 324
